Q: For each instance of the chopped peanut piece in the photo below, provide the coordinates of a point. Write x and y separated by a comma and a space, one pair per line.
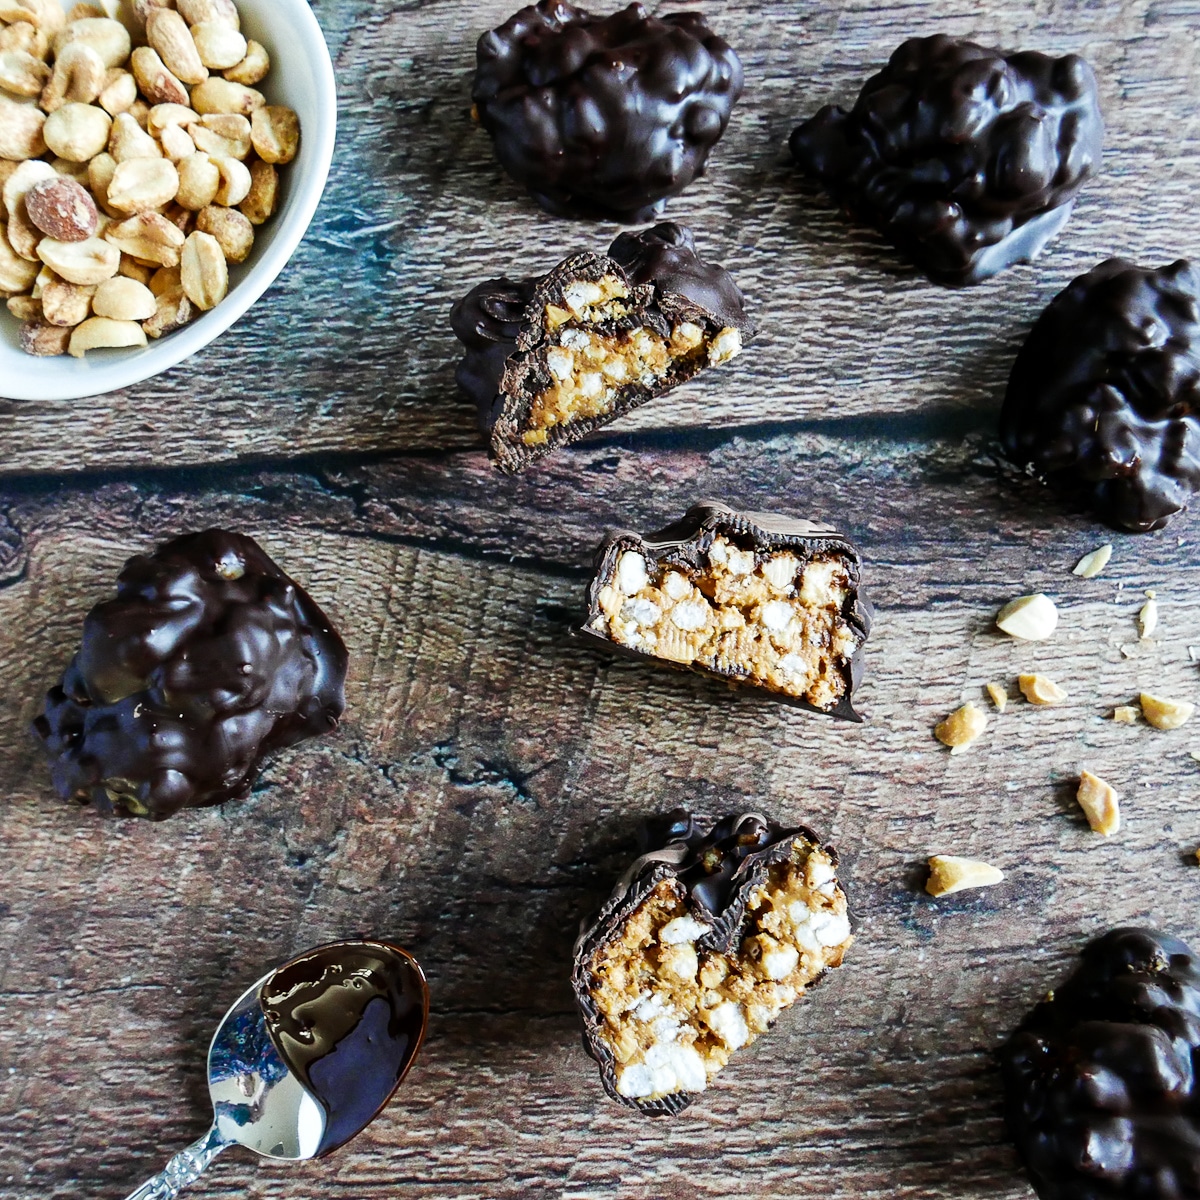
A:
961, 728
1090, 565
1037, 689
998, 694
1125, 714
1165, 714
1100, 803
1030, 618
1148, 618
949, 873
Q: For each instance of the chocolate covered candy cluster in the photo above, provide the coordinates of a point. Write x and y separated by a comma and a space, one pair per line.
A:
1103, 398
965, 158
1101, 1076
751, 598
208, 659
714, 931
604, 116
552, 358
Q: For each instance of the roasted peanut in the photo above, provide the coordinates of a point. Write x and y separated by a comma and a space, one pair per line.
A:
216, 95
24, 308
129, 140
148, 237
173, 311
124, 299
119, 93
143, 8
21, 130
253, 68
44, 340
86, 263
223, 135
130, 268
46, 15
233, 231
198, 12
77, 132
167, 32
199, 181
109, 38
23, 235
22, 74
142, 184
219, 45
16, 274
275, 133
157, 84
19, 180
26, 38
176, 143
100, 172
78, 78
139, 110
163, 116
259, 204
164, 279
103, 333
235, 182
203, 271
80, 12
180, 217
66, 303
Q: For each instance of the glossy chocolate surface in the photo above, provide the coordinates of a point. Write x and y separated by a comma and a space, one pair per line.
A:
347, 1019
1104, 398
965, 158
685, 542
604, 116
500, 324
208, 659
1100, 1078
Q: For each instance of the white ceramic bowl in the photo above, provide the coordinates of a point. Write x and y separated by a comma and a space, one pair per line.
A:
302, 78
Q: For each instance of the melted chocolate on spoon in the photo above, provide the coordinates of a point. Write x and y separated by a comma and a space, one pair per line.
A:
347, 1019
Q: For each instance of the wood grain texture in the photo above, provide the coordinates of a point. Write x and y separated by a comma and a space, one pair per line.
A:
350, 351
482, 793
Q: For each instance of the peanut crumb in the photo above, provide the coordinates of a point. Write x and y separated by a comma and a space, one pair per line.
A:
1148, 618
948, 874
961, 728
1125, 714
1090, 565
1037, 689
1030, 618
1100, 803
998, 694
1165, 714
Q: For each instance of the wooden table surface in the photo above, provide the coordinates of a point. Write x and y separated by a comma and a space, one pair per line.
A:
483, 790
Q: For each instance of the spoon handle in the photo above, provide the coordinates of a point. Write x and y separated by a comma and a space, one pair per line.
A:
186, 1167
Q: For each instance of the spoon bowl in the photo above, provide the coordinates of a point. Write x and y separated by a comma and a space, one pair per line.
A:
307, 1057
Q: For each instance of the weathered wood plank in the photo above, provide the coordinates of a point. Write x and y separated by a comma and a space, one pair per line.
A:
350, 353
481, 794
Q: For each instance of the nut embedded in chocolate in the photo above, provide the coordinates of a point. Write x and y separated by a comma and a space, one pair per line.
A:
209, 658
1104, 395
604, 117
751, 598
714, 931
965, 158
1101, 1095
550, 359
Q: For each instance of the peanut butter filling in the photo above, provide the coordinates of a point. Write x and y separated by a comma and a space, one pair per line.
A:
771, 619
672, 1014
590, 368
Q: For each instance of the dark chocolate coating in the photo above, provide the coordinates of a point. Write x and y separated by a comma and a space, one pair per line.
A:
347, 1019
686, 542
604, 117
500, 325
209, 658
719, 864
966, 159
1105, 394
1100, 1083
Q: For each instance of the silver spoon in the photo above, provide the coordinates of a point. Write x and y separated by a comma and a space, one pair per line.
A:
307, 1057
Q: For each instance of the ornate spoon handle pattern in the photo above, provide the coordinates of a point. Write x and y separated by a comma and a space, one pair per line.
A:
186, 1167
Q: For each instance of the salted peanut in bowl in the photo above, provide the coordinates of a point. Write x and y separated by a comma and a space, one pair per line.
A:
127, 135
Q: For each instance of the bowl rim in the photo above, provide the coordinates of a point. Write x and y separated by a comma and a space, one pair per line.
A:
308, 186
